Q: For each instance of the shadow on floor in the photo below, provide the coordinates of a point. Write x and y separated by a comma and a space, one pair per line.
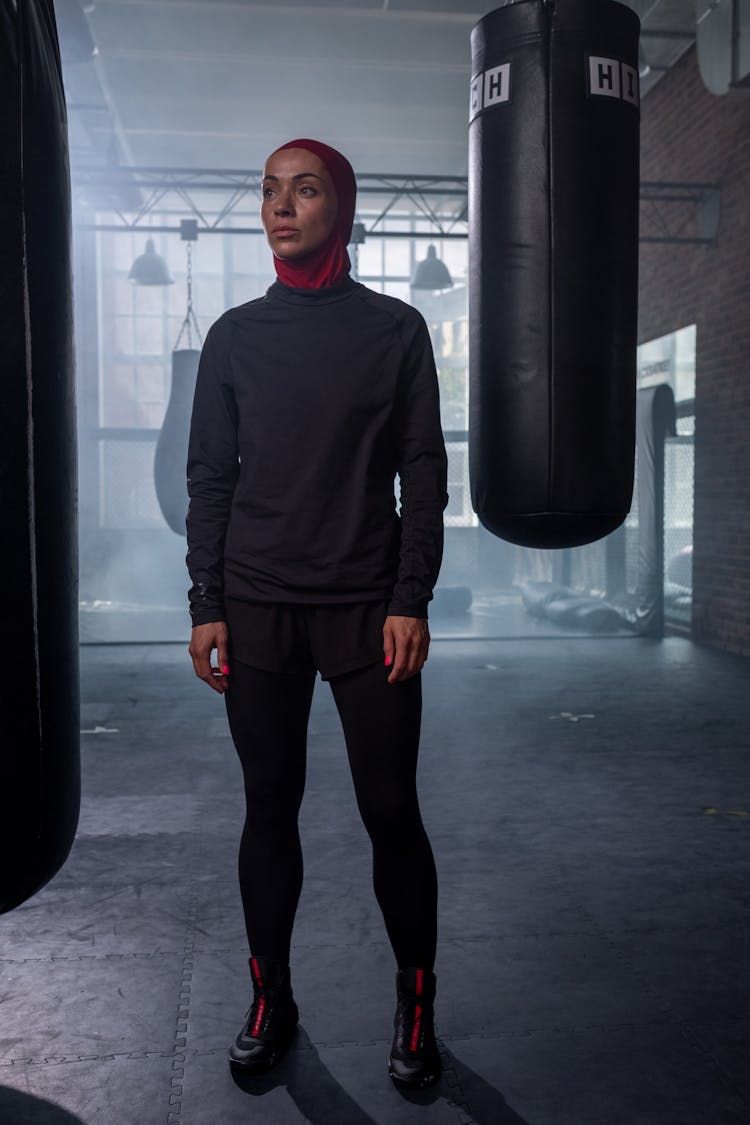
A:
488, 1104
323, 1101
17, 1108
310, 1085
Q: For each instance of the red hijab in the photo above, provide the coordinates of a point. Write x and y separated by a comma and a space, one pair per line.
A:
329, 264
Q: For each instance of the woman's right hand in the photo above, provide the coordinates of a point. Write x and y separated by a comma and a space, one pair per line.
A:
204, 639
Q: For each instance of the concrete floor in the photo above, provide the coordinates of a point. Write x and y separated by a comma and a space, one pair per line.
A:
588, 802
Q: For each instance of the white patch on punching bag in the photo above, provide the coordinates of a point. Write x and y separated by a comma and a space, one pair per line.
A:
497, 85
490, 88
604, 76
629, 83
610, 78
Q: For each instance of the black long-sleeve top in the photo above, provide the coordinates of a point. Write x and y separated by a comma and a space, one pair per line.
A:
307, 404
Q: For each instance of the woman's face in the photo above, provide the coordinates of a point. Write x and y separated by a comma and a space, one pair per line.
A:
299, 203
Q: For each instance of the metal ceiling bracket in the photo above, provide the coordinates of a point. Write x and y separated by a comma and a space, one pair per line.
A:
671, 212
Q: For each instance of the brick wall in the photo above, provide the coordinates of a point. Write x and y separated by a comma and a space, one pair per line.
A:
689, 134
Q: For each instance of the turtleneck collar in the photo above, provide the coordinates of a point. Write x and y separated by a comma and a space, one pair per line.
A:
298, 296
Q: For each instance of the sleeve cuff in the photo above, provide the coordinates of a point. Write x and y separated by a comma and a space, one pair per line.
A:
207, 616
408, 609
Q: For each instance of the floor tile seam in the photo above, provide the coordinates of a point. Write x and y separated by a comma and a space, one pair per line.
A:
682, 1025
181, 1021
541, 1031
73, 959
725, 1020
621, 931
478, 939
483, 939
451, 1077
179, 1056
107, 1056
182, 1053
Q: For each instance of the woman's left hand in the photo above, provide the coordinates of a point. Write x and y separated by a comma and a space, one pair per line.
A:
405, 644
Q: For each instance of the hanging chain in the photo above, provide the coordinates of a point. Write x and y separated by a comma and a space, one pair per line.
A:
190, 317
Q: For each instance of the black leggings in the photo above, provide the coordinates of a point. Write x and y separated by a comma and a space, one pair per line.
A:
268, 714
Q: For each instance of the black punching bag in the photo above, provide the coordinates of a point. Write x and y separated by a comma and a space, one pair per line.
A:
39, 731
553, 269
170, 458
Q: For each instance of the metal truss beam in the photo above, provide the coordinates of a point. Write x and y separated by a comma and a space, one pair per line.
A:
680, 213
671, 212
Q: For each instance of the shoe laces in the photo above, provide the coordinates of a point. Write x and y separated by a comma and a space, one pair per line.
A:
258, 1013
413, 1013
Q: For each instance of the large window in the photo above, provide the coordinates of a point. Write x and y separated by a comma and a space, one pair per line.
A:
671, 359
139, 325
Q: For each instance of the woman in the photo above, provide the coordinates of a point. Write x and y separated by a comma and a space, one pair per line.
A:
308, 402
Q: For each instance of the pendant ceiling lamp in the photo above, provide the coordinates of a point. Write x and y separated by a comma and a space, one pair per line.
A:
150, 268
431, 273
643, 66
356, 240
170, 459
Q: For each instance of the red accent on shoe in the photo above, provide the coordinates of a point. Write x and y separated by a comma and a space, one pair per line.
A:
262, 1003
259, 1018
417, 1013
415, 1031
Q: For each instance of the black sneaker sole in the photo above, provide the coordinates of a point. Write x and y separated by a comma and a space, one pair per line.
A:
419, 1082
256, 1066
263, 1065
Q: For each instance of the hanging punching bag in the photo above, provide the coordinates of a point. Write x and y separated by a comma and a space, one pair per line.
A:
170, 458
553, 267
656, 420
39, 756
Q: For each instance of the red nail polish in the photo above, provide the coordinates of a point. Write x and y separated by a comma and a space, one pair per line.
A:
388, 661
225, 669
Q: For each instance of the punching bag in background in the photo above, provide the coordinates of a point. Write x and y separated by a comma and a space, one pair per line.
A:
39, 736
553, 269
171, 454
656, 420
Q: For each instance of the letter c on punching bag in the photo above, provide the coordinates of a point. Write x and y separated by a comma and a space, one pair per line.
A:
553, 269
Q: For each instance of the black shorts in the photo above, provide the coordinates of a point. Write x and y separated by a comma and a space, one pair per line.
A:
333, 639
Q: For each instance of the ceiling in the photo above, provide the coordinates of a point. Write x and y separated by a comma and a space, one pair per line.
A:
220, 83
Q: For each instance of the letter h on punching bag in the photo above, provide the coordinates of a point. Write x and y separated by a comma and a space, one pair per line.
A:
553, 269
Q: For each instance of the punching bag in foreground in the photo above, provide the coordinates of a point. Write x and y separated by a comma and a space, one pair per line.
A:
39, 740
553, 269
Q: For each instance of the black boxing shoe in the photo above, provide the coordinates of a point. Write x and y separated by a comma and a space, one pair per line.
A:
415, 1060
271, 1022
